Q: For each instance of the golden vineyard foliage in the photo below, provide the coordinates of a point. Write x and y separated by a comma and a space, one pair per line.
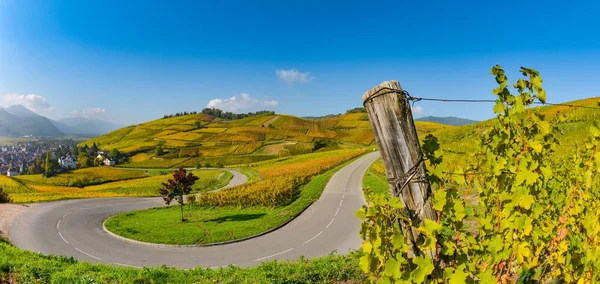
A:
37, 192
522, 214
280, 184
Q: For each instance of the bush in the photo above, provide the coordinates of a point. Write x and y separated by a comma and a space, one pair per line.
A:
4, 198
191, 199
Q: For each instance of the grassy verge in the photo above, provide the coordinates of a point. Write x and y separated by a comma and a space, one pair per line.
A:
375, 179
213, 224
28, 267
251, 174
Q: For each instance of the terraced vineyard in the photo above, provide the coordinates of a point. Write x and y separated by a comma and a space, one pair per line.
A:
203, 140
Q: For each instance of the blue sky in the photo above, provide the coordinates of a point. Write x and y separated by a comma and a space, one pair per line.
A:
134, 61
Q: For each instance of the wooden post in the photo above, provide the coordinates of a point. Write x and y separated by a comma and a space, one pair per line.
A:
395, 133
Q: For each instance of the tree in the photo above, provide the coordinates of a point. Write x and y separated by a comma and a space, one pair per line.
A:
51, 166
114, 154
4, 198
93, 150
84, 160
159, 151
198, 124
175, 188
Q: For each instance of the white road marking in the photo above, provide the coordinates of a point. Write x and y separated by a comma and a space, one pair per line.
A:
330, 222
58, 224
273, 255
341, 203
313, 238
69, 213
63, 238
337, 211
127, 265
87, 253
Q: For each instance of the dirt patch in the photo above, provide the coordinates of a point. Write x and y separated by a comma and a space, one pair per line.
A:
270, 121
275, 148
8, 212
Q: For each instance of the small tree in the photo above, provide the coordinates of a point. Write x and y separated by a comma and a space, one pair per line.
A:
159, 151
175, 188
51, 166
114, 154
4, 198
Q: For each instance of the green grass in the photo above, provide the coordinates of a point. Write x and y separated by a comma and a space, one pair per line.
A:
27, 267
376, 180
251, 174
209, 225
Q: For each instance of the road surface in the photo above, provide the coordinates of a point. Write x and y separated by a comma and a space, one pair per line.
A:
74, 228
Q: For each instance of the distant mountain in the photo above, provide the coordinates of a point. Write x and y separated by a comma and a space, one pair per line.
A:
78, 126
449, 120
18, 121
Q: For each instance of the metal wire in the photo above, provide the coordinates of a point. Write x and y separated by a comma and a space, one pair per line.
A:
416, 99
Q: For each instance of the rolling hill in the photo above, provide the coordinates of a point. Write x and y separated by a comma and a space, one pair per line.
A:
574, 130
199, 138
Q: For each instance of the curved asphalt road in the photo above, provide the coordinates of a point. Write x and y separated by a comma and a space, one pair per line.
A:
74, 228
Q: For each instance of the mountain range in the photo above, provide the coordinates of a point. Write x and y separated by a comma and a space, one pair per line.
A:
18, 121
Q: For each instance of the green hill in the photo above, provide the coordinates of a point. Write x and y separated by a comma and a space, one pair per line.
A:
195, 139
574, 129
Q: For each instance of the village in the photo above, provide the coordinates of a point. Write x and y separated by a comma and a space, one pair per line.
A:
29, 157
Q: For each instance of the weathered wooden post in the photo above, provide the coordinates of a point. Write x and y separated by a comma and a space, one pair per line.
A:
395, 133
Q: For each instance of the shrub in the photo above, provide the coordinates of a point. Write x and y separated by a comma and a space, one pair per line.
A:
4, 198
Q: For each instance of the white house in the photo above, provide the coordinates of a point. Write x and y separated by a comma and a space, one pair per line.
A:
12, 172
109, 162
67, 162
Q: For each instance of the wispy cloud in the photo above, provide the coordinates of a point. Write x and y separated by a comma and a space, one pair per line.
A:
417, 110
293, 76
90, 112
241, 103
33, 102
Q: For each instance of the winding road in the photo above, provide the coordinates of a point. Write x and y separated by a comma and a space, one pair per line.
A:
74, 228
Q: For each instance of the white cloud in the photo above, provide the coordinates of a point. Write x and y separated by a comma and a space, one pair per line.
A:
241, 103
417, 110
90, 112
293, 76
33, 102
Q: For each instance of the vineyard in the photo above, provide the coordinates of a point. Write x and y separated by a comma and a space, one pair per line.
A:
521, 208
281, 181
195, 139
38, 189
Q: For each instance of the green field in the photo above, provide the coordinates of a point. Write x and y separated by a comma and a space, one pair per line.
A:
375, 178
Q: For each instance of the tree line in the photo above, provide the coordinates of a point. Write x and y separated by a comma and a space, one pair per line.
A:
221, 114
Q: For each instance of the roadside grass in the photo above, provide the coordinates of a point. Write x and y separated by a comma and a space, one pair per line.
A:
29, 267
148, 186
375, 178
207, 225
251, 174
